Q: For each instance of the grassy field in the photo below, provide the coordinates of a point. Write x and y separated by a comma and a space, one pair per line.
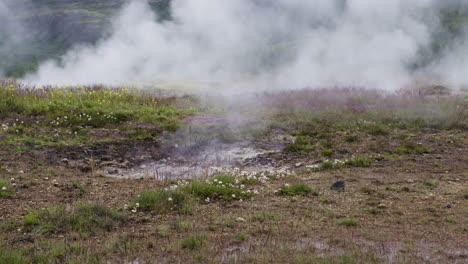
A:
363, 176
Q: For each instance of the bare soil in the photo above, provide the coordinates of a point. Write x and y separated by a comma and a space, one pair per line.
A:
410, 208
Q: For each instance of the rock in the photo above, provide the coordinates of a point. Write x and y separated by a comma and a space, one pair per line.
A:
240, 219
113, 171
382, 206
106, 158
299, 164
449, 205
338, 186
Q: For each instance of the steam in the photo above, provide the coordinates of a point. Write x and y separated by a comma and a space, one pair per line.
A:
281, 43
14, 34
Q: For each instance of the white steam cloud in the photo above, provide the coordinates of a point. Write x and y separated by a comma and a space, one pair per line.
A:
283, 43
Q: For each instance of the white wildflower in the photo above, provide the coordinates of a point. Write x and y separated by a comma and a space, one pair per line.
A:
169, 199
4, 188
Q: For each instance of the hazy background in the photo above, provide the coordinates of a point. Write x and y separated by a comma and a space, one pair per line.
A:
259, 43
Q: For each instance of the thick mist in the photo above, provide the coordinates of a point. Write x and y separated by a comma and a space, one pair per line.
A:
15, 36
282, 43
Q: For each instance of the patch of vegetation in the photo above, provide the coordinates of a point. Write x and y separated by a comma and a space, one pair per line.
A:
348, 222
85, 217
265, 216
296, 189
359, 161
303, 144
12, 257
193, 242
328, 164
6, 189
327, 144
374, 211
411, 148
184, 226
376, 130
351, 139
30, 115
230, 222
431, 183
163, 201
368, 190
226, 191
326, 153
240, 237
8, 226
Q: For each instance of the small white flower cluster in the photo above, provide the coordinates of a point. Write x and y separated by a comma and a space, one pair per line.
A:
5, 127
177, 185
261, 176
362, 121
134, 210
337, 161
286, 185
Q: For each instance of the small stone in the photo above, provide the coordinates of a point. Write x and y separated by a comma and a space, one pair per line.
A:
338, 186
299, 164
449, 205
240, 219
382, 206
113, 171
21, 172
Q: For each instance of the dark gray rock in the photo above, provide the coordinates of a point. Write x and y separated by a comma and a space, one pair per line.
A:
338, 186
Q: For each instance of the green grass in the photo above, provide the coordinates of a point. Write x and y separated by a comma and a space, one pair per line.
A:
348, 222
9, 256
411, 148
367, 190
223, 189
86, 217
184, 198
359, 161
326, 153
193, 242
328, 165
431, 183
73, 115
162, 201
265, 216
296, 189
241, 237
6, 189
376, 130
351, 139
